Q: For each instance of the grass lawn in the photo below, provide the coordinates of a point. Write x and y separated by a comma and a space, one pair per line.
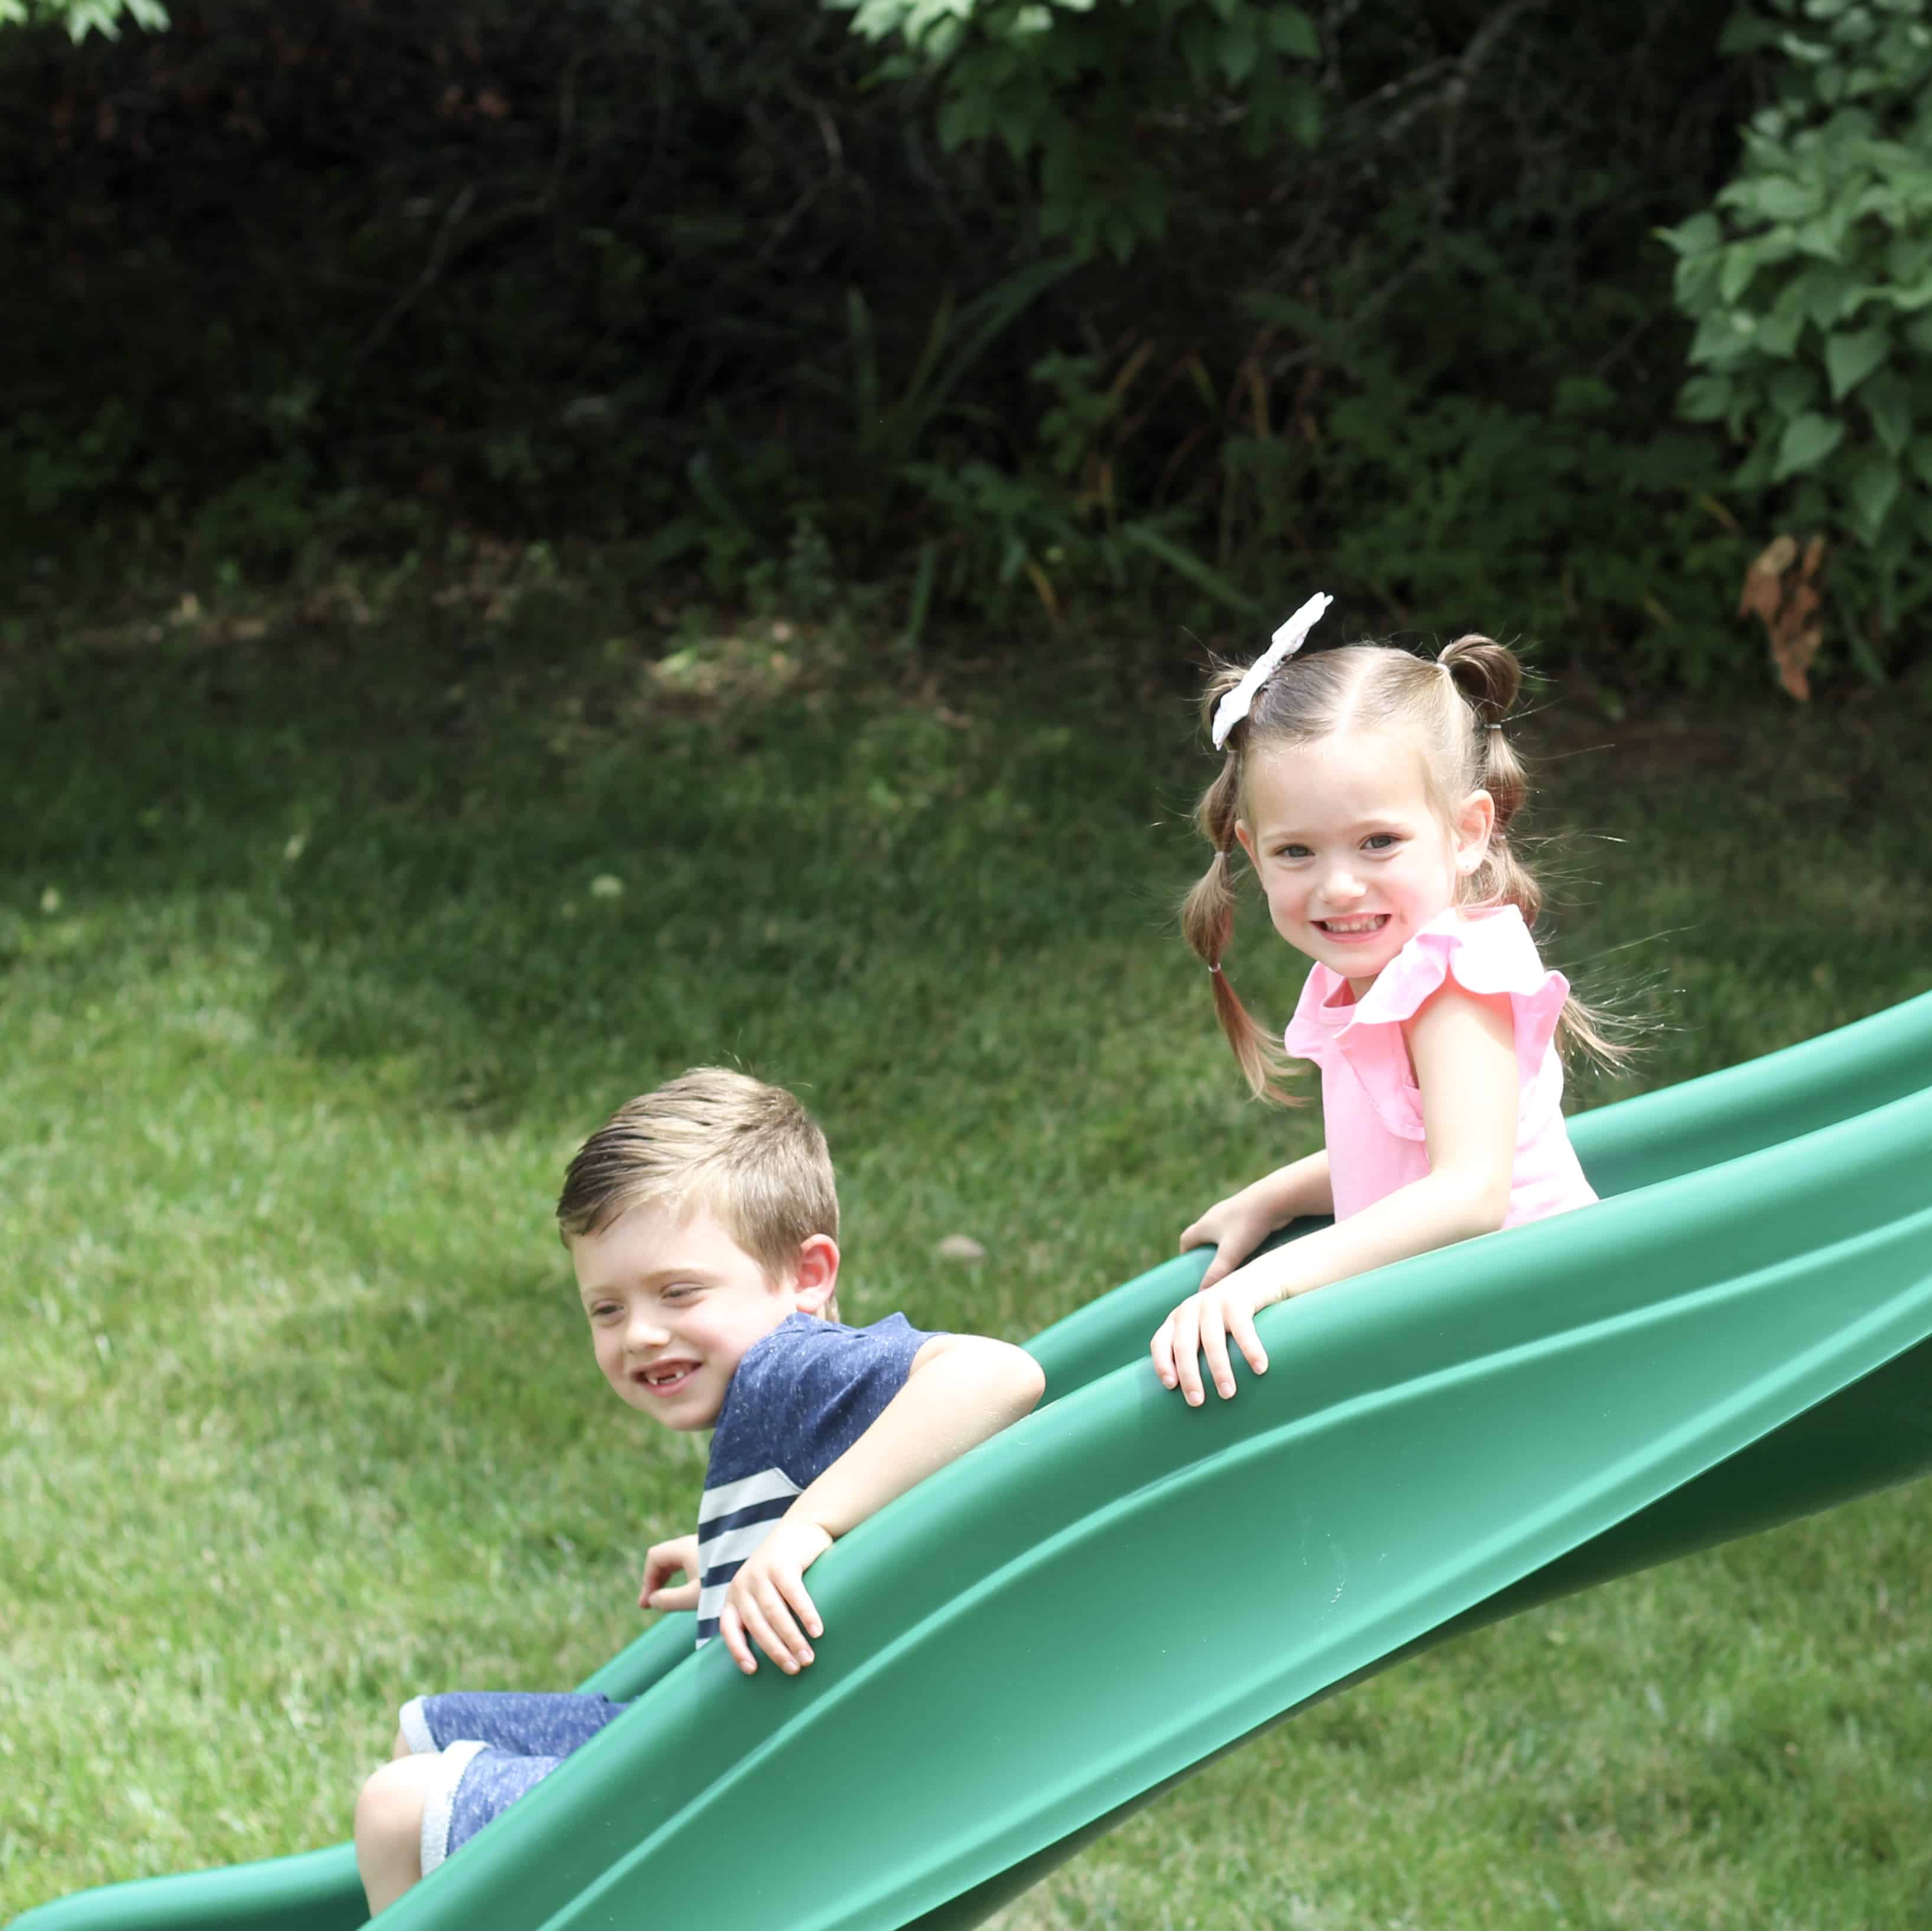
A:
320, 951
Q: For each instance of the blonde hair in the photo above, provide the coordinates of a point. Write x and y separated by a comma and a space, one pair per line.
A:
749, 1152
1452, 710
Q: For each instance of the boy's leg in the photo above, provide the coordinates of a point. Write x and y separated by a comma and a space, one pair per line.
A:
526, 1724
434, 1794
417, 1809
388, 1828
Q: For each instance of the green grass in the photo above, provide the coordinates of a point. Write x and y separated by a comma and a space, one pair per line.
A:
306, 995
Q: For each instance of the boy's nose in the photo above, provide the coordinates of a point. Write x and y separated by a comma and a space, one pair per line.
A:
643, 1332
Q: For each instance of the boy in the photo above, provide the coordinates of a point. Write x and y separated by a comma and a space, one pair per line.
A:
702, 1222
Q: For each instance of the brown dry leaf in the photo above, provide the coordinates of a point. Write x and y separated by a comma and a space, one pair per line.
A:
1763, 590
492, 104
1794, 650
1787, 608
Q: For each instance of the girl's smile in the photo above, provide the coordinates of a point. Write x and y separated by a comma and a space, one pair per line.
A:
1350, 849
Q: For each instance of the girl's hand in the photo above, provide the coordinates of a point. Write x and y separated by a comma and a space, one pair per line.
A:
662, 1561
1203, 1325
768, 1601
1234, 1227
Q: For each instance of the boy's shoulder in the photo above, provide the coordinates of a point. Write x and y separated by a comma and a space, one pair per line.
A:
810, 1381
807, 1345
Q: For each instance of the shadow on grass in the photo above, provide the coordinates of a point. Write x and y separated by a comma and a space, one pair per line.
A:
548, 887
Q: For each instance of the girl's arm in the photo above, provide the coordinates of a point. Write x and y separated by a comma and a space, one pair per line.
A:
1462, 1045
1235, 1226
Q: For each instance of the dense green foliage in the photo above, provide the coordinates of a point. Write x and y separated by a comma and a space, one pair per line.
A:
1811, 285
1110, 97
82, 17
1196, 301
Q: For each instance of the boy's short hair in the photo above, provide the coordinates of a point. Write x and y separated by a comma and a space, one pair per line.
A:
749, 1152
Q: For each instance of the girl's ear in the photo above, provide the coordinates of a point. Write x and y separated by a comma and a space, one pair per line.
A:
1245, 839
1474, 827
815, 1280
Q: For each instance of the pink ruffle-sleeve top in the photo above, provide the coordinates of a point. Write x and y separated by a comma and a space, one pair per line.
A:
1372, 1109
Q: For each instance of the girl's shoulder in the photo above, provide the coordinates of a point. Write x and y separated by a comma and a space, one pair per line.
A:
1484, 950
1487, 949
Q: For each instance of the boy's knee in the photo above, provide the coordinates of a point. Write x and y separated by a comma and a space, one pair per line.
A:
390, 1805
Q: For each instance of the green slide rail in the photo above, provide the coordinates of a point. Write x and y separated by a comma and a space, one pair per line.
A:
1740, 1334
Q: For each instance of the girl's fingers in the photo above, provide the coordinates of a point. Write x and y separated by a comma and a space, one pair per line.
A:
1186, 1349
1192, 1236
1241, 1329
1161, 1348
1214, 1344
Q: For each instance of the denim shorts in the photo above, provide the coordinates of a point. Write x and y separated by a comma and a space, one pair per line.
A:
493, 1746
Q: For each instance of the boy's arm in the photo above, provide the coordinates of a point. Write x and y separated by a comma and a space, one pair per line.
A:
962, 1389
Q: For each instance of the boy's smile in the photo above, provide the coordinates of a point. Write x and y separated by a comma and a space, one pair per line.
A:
675, 1303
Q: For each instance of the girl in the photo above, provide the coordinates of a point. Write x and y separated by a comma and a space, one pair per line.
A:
1372, 792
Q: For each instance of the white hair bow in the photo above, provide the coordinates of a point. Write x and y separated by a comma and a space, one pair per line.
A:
1285, 642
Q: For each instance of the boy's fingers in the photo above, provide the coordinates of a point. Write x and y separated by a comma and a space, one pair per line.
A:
770, 1623
731, 1627
760, 1630
802, 1606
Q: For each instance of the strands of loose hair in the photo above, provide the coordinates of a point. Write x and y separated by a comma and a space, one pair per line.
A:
1454, 708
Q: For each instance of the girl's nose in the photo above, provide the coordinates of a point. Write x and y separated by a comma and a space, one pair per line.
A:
1340, 886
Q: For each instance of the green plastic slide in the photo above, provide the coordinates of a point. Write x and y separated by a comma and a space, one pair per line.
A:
1741, 1333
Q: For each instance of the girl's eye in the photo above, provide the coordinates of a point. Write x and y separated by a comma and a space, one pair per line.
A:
1292, 851
1379, 842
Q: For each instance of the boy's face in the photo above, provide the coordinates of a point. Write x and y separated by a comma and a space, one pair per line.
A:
674, 1303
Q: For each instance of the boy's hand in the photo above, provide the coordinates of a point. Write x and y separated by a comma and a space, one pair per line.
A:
1233, 1228
1204, 1325
662, 1561
768, 1603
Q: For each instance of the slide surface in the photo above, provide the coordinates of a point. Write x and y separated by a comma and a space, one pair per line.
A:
1741, 1333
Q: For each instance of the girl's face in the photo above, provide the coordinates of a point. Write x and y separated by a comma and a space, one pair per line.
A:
1350, 850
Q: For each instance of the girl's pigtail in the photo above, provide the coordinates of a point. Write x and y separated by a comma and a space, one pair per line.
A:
1207, 921
1489, 676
